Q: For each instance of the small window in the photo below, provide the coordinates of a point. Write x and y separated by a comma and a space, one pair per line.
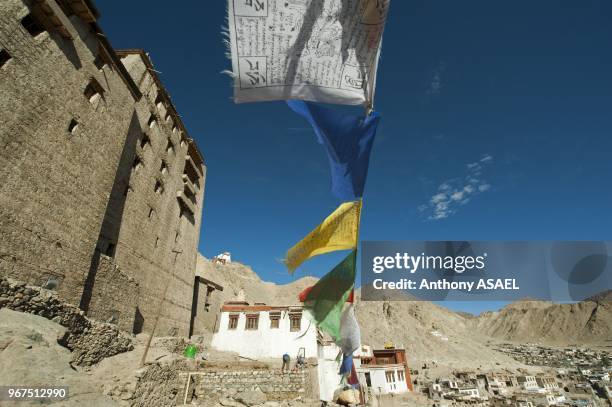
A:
170, 147
252, 322
390, 376
233, 322
31, 26
94, 92
152, 120
400, 375
4, 57
296, 321
164, 167
159, 102
73, 126
136, 164
274, 320
159, 188
151, 212
99, 61
176, 237
144, 141
157, 242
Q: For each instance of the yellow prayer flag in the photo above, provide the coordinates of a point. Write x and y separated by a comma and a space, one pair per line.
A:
339, 231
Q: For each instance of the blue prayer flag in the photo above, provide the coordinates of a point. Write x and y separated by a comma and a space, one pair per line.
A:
347, 139
347, 364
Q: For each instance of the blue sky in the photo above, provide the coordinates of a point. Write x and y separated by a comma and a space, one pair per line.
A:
496, 124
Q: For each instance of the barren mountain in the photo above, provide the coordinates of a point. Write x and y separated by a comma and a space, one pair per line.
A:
536, 321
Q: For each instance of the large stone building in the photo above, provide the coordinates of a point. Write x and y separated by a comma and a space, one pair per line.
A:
101, 187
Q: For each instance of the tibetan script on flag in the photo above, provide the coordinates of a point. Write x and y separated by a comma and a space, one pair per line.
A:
317, 50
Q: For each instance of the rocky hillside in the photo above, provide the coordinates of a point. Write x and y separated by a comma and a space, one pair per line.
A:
535, 321
236, 278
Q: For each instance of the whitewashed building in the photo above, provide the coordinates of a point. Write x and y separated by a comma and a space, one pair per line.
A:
262, 331
383, 371
528, 383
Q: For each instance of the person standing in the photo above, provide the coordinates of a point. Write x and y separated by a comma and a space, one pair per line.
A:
286, 361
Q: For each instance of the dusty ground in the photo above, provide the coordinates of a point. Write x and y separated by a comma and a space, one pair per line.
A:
437, 342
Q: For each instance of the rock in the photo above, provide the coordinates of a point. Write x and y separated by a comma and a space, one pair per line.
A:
229, 403
251, 397
346, 398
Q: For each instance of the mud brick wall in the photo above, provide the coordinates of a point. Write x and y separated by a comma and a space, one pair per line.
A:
115, 297
84, 177
55, 179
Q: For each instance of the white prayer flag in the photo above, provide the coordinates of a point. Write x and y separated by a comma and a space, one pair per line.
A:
317, 50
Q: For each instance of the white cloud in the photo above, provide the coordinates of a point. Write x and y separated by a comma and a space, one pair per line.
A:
438, 198
457, 196
457, 192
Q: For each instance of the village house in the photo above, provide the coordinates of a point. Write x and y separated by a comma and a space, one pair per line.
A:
383, 371
496, 384
547, 382
469, 392
261, 331
528, 383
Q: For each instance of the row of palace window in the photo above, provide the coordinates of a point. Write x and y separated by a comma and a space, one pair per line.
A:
390, 376
252, 321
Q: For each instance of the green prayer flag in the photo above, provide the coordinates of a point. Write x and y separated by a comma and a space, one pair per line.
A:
326, 298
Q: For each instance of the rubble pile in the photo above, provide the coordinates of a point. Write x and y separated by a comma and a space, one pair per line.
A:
90, 341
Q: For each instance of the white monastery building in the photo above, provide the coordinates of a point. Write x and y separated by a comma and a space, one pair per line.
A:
262, 331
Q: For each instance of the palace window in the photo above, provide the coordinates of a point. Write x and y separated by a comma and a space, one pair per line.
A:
31, 25
144, 141
4, 57
400, 375
136, 164
274, 320
233, 322
295, 321
159, 188
252, 322
94, 92
152, 120
72, 126
164, 167
390, 376
170, 147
